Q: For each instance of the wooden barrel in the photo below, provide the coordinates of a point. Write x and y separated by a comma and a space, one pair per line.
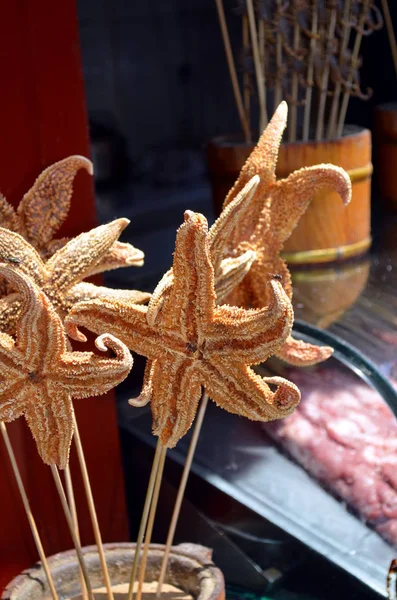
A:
324, 293
328, 231
385, 137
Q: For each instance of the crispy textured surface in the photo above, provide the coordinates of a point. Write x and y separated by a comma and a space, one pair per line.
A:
271, 214
40, 376
60, 276
192, 342
229, 271
44, 208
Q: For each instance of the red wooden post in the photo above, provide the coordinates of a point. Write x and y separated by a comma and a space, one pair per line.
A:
43, 119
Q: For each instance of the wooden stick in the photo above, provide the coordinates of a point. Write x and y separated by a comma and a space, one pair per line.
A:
278, 92
232, 70
246, 77
144, 518
338, 86
310, 71
324, 79
69, 520
26, 505
92, 510
73, 510
390, 32
294, 89
355, 53
259, 72
181, 491
152, 515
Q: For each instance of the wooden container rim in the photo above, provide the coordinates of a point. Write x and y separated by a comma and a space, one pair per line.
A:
193, 552
236, 140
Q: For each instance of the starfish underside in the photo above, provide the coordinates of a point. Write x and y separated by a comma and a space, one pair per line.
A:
192, 343
39, 376
60, 277
272, 212
44, 208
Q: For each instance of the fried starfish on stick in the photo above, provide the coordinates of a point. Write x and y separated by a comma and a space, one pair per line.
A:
44, 208
193, 342
228, 272
274, 211
40, 376
60, 277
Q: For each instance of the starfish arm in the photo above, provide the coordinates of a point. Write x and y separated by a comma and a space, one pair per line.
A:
12, 381
231, 273
290, 197
124, 320
50, 419
176, 392
10, 307
191, 298
262, 161
14, 407
252, 335
231, 215
53, 246
15, 250
72, 263
85, 374
239, 390
8, 216
302, 354
254, 290
157, 299
39, 331
45, 206
84, 291
146, 393
120, 255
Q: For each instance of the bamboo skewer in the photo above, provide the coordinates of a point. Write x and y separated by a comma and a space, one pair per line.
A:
310, 71
246, 82
69, 520
26, 505
338, 86
390, 32
181, 491
294, 89
279, 63
91, 508
324, 79
259, 72
232, 70
73, 510
152, 515
355, 53
144, 519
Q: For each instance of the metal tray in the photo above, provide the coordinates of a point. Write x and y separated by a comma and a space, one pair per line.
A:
237, 457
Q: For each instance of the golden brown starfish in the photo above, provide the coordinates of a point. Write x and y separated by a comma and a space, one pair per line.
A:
273, 212
193, 342
39, 376
229, 271
60, 277
45, 206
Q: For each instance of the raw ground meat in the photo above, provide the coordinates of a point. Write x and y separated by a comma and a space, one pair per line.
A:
345, 435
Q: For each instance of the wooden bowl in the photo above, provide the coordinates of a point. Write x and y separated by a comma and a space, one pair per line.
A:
190, 569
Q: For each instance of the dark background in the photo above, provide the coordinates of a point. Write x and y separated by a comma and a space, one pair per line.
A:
158, 89
157, 71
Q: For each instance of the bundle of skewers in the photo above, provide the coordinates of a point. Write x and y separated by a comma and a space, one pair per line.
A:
304, 51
